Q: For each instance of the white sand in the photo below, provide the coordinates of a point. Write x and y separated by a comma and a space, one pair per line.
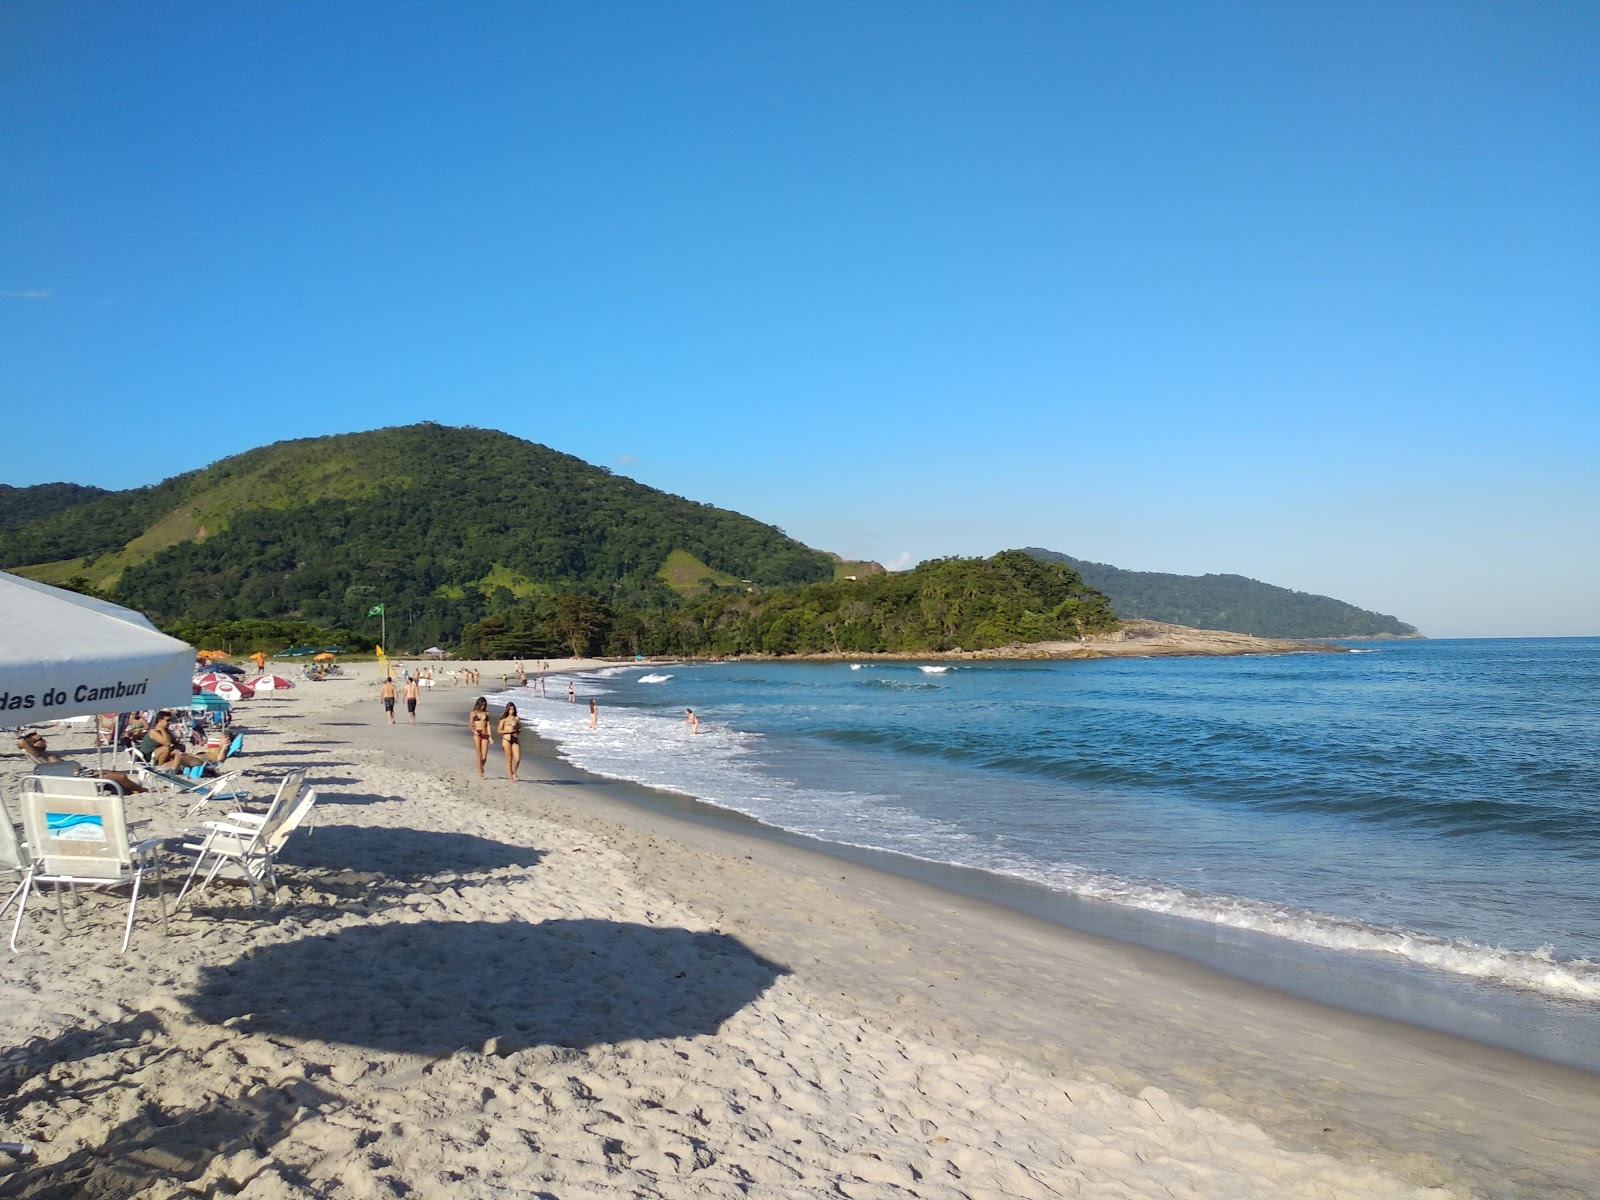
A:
479, 989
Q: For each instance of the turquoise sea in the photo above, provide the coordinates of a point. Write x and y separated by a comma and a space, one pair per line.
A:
1411, 829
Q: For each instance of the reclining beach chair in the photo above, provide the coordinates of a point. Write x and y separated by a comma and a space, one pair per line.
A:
250, 842
193, 784
77, 833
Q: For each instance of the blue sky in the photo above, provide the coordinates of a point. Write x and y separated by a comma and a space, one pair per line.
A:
1306, 292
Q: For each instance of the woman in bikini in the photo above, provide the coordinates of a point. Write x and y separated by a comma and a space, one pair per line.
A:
478, 722
511, 739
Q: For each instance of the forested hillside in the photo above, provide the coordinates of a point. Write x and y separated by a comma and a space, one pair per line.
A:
1230, 602
943, 604
19, 505
440, 525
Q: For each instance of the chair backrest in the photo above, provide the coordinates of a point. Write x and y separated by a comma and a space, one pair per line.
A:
12, 856
293, 819
290, 788
76, 827
76, 787
235, 746
278, 811
56, 768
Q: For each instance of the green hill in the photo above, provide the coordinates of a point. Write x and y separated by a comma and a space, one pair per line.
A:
442, 525
1230, 602
19, 505
943, 604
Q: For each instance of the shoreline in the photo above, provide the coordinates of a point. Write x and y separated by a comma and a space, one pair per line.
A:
842, 1028
1540, 1024
1243, 1025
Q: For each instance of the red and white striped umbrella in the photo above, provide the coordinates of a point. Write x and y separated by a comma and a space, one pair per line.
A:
269, 683
224, 686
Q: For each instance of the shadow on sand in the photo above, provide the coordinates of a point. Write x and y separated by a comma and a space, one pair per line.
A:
435, 987
400, 854
344, 869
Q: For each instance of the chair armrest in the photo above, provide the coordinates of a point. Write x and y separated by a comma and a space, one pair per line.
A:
236, 830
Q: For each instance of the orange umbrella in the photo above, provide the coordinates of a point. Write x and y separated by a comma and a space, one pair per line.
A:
323, 657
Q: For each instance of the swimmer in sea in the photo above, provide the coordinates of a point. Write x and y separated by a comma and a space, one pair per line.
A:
594, 713
691, 720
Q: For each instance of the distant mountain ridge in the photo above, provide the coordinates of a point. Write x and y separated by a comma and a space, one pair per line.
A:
441, 525
19, 505
1229, 602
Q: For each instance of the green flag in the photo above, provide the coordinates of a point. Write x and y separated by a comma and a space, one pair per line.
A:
375, 611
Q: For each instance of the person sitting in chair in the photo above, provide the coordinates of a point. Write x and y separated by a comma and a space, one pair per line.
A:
32, 744
161, 746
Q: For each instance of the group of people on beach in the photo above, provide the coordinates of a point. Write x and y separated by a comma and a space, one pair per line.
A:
509, 728
483, 726
413, 693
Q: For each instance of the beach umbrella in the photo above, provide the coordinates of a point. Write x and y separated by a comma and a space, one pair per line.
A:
210, 702
335, 649
66, 655
270, 683
323, 657
228, 668
297, 652
223, 686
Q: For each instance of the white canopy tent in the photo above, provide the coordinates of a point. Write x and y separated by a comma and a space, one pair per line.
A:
66, 655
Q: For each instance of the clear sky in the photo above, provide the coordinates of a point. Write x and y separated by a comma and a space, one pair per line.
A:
1309, 292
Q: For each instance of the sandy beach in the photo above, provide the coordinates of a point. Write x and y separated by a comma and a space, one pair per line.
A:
475, 988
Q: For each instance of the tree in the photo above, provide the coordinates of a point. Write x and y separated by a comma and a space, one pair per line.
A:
576, 621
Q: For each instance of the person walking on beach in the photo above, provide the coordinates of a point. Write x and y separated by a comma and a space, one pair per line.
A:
692, 721
412, 692
387, 692
511, 740
572, 693
594, 713
478, 722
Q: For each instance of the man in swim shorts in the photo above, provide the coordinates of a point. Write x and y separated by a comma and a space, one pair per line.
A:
412, 692
387, 692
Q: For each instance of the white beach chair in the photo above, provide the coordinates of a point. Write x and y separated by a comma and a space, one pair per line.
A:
250, 842
77, 833
14, 857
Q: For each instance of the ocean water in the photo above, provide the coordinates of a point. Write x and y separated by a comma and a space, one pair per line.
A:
1433, 803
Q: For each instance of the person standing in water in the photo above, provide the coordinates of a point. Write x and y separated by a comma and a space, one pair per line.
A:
692, 721
478, 722
511, 740
412, 692
594, 713
387, 692
572, 692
